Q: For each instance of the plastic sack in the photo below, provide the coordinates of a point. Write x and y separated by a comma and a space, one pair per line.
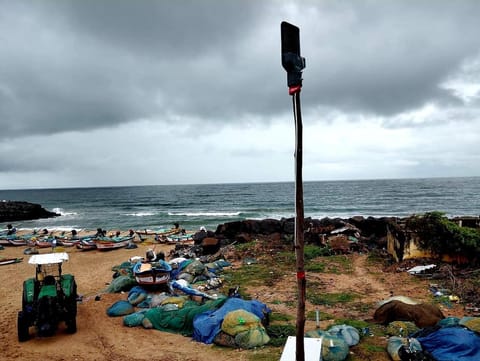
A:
121, 283
239, 321
333, 348
134, 319
396, 343
195, 268
472, 323
448, 322
254, 337
349, 333
120, 308
136, 295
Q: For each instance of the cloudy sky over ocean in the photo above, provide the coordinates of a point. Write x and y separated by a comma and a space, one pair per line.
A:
106, 93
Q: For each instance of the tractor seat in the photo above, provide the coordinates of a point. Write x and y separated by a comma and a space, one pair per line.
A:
49, 280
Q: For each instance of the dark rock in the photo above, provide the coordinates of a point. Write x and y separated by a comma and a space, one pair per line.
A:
11, 211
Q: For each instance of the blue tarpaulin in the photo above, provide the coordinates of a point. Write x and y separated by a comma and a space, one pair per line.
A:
452, 343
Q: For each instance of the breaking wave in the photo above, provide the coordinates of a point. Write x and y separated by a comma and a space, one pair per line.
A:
205, 214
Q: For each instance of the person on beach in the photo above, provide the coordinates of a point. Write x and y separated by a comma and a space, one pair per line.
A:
101, 233
200, 236
11, 230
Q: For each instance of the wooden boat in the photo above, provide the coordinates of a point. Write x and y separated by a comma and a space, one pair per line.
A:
156, 236
108, 243
152, 273
179, 238
42, 242
86, 244
74, 240
18, 241
5, 261
5, 239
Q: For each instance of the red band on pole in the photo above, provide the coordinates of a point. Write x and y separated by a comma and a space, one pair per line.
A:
294, 89
300, 275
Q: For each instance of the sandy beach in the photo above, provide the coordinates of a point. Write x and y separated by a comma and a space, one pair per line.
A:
99, 337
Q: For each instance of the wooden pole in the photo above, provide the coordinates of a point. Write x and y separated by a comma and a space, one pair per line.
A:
299, 229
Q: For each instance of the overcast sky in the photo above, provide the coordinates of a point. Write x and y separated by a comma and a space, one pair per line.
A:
107, 93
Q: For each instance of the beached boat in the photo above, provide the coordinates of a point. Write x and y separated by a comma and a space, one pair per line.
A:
86, 244
108, 243
73, 240
42, 242
155, 236
5, 261
18, 241
5, 239
152, 273
179, 238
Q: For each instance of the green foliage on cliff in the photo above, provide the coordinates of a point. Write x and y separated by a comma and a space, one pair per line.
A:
436, 233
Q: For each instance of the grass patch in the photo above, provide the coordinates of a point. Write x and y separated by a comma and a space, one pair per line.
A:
252, 275
315, 267
280, 317
330, 299
322, 316
311, 251
279, 334
266, 354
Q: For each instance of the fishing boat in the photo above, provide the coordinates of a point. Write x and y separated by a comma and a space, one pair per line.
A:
179, 238
152, 273
5, 239
42, 242
108, 243
86, 244
155, 236
18, 241
74, 239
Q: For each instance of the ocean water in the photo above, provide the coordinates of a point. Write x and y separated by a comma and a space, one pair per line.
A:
154, 207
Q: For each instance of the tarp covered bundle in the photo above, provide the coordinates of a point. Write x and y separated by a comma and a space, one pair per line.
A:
245, 328
452, 343
208, 325
451, 339
181, 320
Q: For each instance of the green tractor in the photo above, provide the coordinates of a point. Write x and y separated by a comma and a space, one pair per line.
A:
48, 298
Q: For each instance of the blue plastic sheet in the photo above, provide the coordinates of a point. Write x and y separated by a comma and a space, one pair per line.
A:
452, 343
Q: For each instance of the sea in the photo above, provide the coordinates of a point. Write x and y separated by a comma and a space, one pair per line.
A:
192, 206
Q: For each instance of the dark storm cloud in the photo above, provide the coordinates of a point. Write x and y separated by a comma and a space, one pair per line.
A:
79, 65
387, 56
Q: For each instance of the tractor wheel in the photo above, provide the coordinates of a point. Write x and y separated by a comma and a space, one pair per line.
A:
23, 327
71, 325
71, 316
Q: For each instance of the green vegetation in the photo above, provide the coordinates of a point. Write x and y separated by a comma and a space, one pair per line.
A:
279, 333
331, 264
322, 316
330, 299
441, 236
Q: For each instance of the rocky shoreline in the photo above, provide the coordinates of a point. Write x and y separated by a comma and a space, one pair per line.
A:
12, 211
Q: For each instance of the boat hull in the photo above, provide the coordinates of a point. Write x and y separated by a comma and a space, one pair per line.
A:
105, 244
152, 274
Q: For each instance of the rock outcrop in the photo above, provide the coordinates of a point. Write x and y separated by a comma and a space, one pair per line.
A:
11, 211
